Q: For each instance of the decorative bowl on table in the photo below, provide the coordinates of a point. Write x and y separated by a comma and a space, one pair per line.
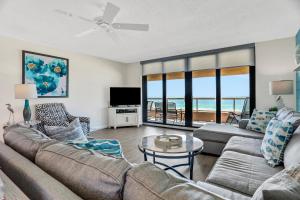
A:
168, 141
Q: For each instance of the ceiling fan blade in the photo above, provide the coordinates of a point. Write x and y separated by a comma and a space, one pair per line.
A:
68, 14
63, 12
110, 13
135, 27
84, 33
84, 19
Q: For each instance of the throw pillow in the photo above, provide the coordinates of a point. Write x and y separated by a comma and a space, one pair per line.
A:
291, 153
294, 119
259, 120
73, 132
284, 113
283, 185
287, 114
278, 134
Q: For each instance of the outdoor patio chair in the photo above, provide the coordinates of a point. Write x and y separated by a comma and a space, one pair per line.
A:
172, 111
234, 116
149, 108
158, 110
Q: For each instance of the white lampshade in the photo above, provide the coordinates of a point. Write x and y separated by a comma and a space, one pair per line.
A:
25, 91
282, 87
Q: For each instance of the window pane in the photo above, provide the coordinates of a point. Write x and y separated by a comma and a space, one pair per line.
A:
234, 94
204, 96
175, 98
154, 101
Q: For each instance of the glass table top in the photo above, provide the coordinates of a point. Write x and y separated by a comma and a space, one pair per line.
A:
189, 144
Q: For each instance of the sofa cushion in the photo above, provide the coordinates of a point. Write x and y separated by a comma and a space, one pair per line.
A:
73, 132
259, 120
244, 145
9, 190
291, 153
283, 185
148, 182
229, 194
241, 172
277, 136
91, 175
26, 141
33, 181
222, 133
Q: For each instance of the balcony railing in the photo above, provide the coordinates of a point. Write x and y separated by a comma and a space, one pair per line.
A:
204, 109
232, 104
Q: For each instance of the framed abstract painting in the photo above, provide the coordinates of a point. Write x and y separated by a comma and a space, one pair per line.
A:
49, 73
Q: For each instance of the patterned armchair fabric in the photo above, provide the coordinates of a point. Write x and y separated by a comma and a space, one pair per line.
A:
55, 114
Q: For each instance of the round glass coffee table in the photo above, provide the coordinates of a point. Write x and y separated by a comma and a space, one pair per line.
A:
190, 147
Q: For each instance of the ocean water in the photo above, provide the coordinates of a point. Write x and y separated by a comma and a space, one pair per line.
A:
210, 105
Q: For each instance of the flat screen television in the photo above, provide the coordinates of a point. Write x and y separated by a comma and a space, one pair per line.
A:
125, 96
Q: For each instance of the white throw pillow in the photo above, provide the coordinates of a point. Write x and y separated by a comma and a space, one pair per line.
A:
73, 132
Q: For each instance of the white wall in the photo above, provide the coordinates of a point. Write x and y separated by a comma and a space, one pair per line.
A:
89, 81
133, 75
275, 60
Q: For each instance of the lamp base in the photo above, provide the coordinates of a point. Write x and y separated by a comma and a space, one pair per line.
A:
280, 103
26, 111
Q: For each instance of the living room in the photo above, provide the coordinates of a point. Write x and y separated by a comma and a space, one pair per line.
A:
174, 87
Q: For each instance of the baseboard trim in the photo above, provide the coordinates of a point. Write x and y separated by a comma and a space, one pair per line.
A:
95, 128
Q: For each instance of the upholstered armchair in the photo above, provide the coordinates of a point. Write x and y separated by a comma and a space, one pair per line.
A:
55, 114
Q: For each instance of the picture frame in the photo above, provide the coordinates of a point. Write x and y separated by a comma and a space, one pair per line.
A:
49, 73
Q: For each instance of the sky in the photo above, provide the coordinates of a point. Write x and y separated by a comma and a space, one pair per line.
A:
231, 86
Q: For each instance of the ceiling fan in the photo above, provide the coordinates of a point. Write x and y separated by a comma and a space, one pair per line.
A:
106, 21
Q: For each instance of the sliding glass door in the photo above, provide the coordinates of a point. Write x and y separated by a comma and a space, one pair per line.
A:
175, 92
235, 93
155, 98
204, 96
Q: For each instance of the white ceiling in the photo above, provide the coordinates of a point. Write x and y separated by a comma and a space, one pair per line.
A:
176, 26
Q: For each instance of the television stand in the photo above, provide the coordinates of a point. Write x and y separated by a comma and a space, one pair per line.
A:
124, 116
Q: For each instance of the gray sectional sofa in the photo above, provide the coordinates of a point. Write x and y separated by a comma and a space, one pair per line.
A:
12, 191
215, 136
47, 169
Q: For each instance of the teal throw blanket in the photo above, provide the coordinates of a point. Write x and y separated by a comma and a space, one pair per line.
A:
106, 147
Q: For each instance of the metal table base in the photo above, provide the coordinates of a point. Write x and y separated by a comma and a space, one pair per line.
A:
190, 157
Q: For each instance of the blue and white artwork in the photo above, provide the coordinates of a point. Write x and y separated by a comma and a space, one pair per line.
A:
49, 73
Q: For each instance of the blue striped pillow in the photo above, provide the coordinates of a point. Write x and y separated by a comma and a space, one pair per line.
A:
278, 134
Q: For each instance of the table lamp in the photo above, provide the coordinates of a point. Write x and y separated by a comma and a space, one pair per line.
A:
26, 91
282, 87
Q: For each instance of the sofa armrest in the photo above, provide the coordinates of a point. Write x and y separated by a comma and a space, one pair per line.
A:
243, 123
